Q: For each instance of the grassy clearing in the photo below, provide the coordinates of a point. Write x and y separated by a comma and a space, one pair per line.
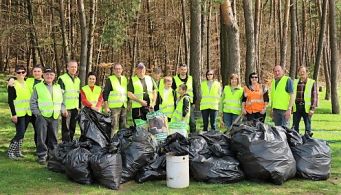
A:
28, 177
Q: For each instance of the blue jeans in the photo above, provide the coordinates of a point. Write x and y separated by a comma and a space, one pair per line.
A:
278, 117
300, 113
228, 119
211, 115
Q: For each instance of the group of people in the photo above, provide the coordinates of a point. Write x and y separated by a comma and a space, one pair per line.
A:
40, 100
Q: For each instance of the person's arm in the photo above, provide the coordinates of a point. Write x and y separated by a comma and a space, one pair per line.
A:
154, 97
11, 97
314, 97
173, 84
132, 96
290, 90
186, 106
243, 103
85, 102
34, 103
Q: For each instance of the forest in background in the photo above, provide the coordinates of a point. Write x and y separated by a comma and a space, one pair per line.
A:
229, 36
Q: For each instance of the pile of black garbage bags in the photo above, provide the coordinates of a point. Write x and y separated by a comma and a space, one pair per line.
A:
251, 150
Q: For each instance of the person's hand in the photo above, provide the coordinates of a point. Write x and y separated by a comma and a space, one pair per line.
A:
94, 108
244, 111
311, 112
287, 114
144, 103
65, 113
151, 108
10, 82
263, 111
14, 119
107, 110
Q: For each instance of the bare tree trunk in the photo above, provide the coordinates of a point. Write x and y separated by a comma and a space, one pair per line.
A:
326, 72
257, 27
208, 35
84, 41
229, 41
284, 44
54, 32
321, 38
334, 61
183, 4
203, 34
250, 42
195, 46
2, 65
92, 25
65, 43
293, 40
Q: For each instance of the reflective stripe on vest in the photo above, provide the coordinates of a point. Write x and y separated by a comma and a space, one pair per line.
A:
71, 92
167, 106
189, 85
254, 99
138, 90
177, 114
307, 93
279, 96
92, 95
210, 97
118, 95
49, 105
22, 101
232, 100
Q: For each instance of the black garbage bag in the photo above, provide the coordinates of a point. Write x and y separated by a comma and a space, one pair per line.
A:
94, 126
293, 137
106, 166
263, 152
154, 171
176, 144
198, 146
313, 159
77, 165
219, 144
140, 151
216, 169
57, 156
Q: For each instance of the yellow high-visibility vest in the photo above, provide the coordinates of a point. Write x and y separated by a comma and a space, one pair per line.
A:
279, 96
138, 89
92, 95
71, 92
118, 95
167, 106
210, 98
189, 85
49, 105
177, 114
22, 101
232, 101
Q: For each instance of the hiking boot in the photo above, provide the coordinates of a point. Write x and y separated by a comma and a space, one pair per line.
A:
11, 150
19, 149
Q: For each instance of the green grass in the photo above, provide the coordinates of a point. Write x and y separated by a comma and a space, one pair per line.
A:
28, 177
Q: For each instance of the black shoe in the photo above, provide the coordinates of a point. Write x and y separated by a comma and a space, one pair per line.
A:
309, 133
42, 161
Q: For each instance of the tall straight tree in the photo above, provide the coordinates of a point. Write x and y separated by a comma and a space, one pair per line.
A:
334, 57
195, 46
293, 40
229, 42
250, 42
84, 42
283, 46
92, 25
65, 42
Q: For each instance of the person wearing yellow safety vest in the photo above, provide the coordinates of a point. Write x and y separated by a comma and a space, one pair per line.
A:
46, 104
183, 107
183, 77
70, 85
37, 74
306, 98
91, 94
19, 103
231, 101
166, 97
159, 83
210, 97
115, 99
255, 99
142, 93
281, 97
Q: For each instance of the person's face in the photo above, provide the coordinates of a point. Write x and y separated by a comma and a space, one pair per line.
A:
37, 73
254, 79
91, 80
20, 74
72, 68
234, 81
157, 76
180, 91
49, 77
140, 72
278, 72
183, 70
118, 70
168, 82
302, 73
210, 76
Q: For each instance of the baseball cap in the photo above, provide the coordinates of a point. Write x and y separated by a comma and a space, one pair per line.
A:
140, 65
48, 69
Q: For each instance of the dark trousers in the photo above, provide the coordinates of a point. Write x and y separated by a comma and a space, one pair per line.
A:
33, 121
256, 116
139, 113
69, 125
47, 132
21, 127
211, 115
192, 125
300, 113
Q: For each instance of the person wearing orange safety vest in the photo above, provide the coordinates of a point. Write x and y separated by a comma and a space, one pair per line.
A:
255, 99
231, 102
210, 99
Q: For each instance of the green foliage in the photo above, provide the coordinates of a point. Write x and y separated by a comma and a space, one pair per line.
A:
118, 15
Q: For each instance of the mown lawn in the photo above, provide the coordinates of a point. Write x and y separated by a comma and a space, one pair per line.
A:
28, 177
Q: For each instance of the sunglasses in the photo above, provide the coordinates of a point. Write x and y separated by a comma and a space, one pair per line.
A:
209, 74
254, 77
21, 72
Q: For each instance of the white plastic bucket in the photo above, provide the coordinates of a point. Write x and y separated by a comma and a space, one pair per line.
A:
177, 168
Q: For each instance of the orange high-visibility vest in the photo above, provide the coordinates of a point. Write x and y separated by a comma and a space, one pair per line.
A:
254, 99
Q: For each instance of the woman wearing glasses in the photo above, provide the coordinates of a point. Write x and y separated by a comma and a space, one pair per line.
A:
19, 102
210, 97
255, 99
